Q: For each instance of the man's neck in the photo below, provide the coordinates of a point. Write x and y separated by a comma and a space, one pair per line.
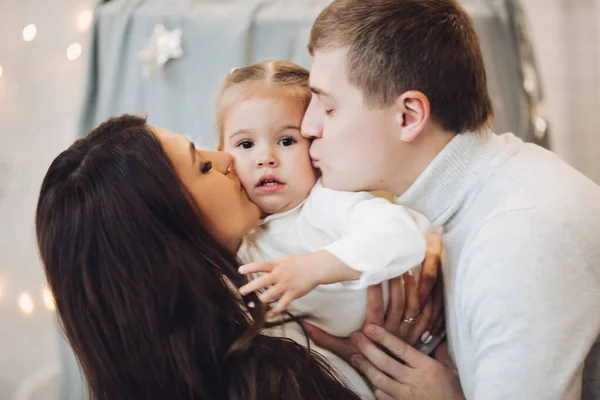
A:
421, 152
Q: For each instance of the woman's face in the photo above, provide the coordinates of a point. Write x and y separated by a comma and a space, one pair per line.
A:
210, 178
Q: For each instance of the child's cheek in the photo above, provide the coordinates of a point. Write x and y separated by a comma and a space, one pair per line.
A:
246, 179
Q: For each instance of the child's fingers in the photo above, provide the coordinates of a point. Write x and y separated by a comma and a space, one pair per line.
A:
281, 305
271, 294
259, 266
257, 284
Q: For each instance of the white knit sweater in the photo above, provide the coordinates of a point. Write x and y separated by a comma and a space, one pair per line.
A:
521, 267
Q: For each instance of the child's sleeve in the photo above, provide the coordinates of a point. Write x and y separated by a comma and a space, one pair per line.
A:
378, 238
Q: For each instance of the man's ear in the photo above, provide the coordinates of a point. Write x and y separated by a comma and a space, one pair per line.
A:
412, 113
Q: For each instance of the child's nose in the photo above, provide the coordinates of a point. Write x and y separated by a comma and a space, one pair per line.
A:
267, 161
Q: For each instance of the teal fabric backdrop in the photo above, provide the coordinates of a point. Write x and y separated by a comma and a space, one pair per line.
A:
217, 36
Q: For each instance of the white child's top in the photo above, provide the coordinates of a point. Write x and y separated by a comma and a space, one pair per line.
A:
367, 233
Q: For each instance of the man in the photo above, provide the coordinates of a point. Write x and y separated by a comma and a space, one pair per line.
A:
401, 104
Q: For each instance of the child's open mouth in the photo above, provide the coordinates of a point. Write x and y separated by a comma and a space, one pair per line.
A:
270, 183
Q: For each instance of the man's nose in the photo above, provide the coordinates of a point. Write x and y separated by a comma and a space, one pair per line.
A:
312, 123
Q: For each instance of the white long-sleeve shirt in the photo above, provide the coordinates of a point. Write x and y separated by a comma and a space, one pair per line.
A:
367, 233
521, 267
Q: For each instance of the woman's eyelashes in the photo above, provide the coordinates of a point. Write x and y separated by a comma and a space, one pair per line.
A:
205, 166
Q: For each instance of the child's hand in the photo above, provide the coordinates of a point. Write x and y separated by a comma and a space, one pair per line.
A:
289, 278
292, 277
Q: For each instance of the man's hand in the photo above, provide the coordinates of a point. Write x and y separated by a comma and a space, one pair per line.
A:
421, 378
291, 277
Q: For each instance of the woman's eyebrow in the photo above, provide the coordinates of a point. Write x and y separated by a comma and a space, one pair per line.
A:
193, 153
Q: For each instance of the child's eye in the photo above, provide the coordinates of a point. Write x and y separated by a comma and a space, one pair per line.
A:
329, 112
285, 142
245, 144
206, 166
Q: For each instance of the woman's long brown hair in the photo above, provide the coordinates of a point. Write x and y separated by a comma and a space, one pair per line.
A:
143, 291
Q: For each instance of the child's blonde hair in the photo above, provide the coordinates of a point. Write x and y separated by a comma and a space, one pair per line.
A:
261, 79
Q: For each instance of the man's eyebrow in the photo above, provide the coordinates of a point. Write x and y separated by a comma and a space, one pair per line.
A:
320, 92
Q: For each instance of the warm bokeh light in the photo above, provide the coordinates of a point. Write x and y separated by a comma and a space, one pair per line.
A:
2, 282
29, 33
541, 124
74, 51
48, 299
85, 20
1, 71
26, 303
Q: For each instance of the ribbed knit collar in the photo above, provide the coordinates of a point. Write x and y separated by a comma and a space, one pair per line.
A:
443, 187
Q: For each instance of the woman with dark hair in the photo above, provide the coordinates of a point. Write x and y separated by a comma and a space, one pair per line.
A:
137, 231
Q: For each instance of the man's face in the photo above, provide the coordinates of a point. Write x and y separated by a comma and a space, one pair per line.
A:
353, 144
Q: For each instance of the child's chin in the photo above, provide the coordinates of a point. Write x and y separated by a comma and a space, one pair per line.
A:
274, 206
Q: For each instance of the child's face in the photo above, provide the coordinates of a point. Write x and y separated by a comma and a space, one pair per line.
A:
271, 157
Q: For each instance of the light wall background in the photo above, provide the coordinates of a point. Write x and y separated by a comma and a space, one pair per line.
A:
40, 91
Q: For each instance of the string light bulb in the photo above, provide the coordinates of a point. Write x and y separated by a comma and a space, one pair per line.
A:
1, 71
84, 21
74, 51
26, 303
29, 32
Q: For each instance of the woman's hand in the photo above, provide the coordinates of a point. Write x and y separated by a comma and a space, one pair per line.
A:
415, 309
421, 378
431, 291
393, 320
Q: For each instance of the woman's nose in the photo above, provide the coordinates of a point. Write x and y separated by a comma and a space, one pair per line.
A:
221, 160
